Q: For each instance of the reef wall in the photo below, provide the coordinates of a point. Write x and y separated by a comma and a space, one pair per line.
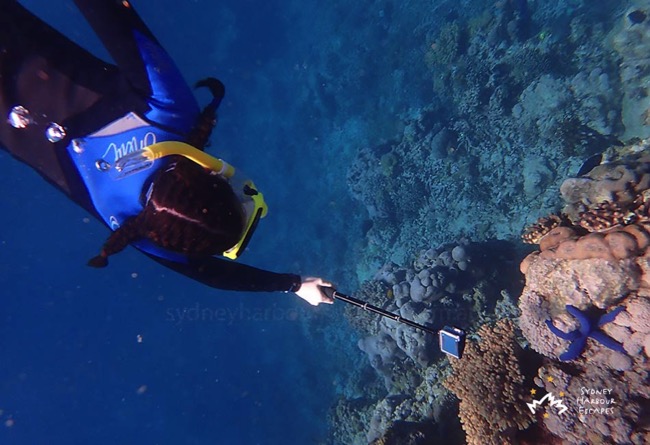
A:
477, 118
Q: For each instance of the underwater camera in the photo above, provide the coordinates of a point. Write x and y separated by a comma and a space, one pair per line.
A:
452, 341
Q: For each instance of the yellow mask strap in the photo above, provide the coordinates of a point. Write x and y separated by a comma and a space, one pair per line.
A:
260, 209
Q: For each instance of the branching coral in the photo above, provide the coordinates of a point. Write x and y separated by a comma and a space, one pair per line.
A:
608, 214
615, 194
489, 383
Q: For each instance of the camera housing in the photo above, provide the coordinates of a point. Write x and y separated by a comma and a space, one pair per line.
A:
452, 341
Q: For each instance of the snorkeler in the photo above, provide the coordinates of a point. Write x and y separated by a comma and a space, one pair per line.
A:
126, 143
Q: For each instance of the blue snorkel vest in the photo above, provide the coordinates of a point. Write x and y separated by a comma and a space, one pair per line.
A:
115, 195
172, 112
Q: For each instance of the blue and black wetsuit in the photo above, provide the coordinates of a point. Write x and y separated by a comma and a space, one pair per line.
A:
68, 115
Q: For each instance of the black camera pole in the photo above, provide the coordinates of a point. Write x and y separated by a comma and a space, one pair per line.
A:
451, 339
333, 293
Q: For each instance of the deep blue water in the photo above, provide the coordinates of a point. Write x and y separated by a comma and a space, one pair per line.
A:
325, 100
136, 354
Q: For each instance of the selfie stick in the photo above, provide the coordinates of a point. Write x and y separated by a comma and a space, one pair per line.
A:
451, 339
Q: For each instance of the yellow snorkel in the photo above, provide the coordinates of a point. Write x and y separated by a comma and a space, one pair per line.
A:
167, 148
251, 199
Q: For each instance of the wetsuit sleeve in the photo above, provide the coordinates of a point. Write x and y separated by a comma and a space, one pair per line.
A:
143, 61
228, 275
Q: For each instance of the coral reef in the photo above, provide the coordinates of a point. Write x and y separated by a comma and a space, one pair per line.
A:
460, 284
619, 180
590, 271
417, 433
534, 233
470, 136
587, 301
351, 417
595, 259
421, 406
448, 46
490, 385
631, 41
603, 405
445, 285
512, 113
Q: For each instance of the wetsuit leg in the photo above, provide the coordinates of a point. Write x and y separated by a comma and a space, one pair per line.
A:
115, 22
56, 81
141, 59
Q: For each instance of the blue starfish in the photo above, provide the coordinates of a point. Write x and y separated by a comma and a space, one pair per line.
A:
588, 328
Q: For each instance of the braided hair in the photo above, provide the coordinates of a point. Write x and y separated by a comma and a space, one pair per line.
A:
187, 209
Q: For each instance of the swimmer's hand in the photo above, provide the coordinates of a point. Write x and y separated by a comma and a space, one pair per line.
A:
311, 293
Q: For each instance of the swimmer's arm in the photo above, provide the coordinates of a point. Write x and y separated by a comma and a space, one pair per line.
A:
229, 275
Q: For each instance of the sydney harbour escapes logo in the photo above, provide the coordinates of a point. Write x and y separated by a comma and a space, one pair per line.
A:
591, 401
554, 402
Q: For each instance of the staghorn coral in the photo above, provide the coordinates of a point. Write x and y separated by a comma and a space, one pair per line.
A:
489, 383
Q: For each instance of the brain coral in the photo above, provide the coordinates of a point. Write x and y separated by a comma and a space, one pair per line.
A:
489, 384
